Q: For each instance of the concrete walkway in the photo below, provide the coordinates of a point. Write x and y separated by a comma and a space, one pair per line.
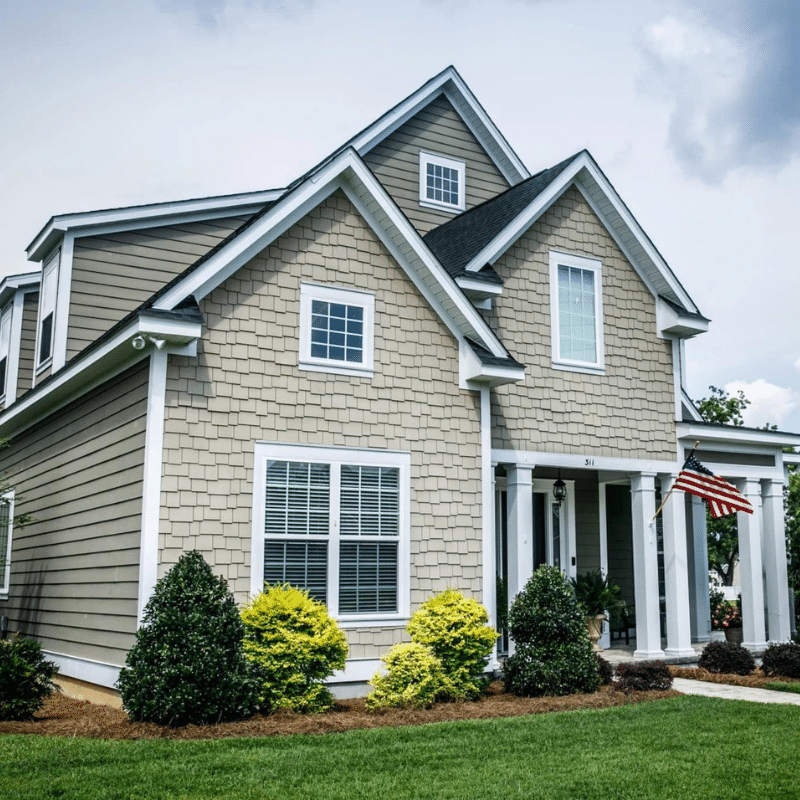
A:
729, 692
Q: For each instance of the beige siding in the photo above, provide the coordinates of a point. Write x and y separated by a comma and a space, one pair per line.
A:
245, 386
115, 273
75, 566
437, 129
629, 411
27, 344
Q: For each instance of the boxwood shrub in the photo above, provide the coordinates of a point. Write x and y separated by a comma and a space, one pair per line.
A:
26, 678
727, 658
782, 659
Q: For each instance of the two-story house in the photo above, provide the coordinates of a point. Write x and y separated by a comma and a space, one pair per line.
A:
367, 384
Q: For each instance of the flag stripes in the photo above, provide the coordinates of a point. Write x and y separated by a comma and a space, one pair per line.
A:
723, 498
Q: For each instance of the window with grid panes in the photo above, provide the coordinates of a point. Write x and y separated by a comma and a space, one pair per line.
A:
441, 182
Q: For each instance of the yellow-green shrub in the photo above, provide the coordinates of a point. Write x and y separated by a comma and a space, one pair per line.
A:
295, 645
414, 678
455, 628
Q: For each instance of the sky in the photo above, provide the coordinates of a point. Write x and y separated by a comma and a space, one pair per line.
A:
692, 110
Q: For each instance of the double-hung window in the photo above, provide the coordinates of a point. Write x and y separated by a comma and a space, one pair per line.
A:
441, 182
6, 525
334, 521
337, 328
576, 312
47, 310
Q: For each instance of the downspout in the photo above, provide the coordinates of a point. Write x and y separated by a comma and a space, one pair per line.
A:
487, 483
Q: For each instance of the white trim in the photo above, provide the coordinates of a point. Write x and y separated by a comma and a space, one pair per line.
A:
6, 586
309, 292
151, 482
7, 315
61, 322
587, 460
12, 373
688, 432
85, 669
560, 259
51, 265
356, 670
436, 160
489, 575
334, 455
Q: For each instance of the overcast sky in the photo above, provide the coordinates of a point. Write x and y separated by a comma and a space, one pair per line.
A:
692, 110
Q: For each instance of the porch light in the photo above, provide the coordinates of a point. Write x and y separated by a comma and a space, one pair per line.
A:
560, 490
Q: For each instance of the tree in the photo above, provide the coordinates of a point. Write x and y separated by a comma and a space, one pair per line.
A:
723, 409
791, 505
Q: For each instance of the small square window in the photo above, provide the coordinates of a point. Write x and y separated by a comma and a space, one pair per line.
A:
441, 182
336, 330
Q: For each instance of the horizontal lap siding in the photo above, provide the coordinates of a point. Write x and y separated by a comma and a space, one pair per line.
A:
75, 566
114, 274
440, 130
30, 309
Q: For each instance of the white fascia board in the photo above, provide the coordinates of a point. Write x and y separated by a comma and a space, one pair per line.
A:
93, 223
478, 289
586, 461
723, 437
28, 282
474, 374
672, 323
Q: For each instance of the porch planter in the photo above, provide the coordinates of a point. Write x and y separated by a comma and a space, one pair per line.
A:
733, 635
718, 636
594, 625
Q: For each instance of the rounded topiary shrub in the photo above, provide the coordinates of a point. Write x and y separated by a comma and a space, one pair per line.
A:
456, 630
727, 658
413, 678
782, 659
26, 678
553, 654
186, 665
295, 645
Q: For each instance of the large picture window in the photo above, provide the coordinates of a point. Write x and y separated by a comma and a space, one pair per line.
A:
334, 521
577, 312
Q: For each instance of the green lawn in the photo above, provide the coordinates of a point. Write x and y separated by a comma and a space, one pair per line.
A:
687, 747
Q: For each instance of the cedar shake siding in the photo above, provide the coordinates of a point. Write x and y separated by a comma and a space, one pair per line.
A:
30, 309
246, 386
113, 274
629, 411
75, 566
439, 130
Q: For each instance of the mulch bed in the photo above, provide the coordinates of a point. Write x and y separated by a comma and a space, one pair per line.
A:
755, 680
63, 716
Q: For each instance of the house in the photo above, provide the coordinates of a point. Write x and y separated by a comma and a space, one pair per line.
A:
367, 384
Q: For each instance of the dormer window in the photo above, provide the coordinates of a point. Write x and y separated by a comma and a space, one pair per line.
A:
441, 182
5, 347
47, 310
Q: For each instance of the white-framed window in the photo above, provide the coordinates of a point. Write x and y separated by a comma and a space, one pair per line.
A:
576, 307
334, 521
47, 311
441, 182
6, 527
5, 348
337, 330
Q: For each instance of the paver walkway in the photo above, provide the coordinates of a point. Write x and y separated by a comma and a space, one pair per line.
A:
729, 692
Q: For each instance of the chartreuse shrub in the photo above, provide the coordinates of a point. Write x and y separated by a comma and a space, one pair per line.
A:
186, 665
727, 658
25, 678
553, 654
455, 628
414, 678
295, 645
643, 676
782, 659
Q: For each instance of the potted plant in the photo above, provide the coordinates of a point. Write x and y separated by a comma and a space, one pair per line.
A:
731, 620
600, 598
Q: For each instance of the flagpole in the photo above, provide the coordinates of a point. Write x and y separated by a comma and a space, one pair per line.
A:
664, 501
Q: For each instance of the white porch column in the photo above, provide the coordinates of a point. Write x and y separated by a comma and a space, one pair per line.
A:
774, 554
676, 572
753, 630
698, 572
645, 566
519, 484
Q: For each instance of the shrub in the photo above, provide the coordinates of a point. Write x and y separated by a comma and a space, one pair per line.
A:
605, 669
455, 629
25, 678
644, 676
553, 653
414, 678
186, 665
782, 659
728, 658
295, 645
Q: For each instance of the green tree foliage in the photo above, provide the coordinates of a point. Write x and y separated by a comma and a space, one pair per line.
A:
792, 516
721, 408
186, 665
295, 645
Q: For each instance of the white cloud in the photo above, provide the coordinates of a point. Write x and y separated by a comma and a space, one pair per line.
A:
769, 404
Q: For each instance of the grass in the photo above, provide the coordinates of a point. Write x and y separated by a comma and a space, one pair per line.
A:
686, 747
779, 686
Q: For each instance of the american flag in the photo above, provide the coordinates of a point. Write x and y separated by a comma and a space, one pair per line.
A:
723, 498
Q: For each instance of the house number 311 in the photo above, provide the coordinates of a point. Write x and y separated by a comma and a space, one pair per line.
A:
589, 462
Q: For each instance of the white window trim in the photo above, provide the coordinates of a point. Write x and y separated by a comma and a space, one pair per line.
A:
441, 161
6, 571
51, 265
401, 460
349, 297
6, 318
579, 262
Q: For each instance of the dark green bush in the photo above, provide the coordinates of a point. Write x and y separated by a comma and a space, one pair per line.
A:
643, 676
186, 665
25, 678
727, 658
553, 654
605, 669
782, 659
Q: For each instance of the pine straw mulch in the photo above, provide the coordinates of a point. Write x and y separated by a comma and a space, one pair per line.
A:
755, 680
64, 716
